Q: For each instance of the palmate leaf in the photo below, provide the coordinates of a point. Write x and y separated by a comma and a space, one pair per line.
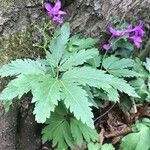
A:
119, 67
78, 58
58, 130
47, 99
76, 99
19, 66
98, 79
64, 130
58, 43
139, 139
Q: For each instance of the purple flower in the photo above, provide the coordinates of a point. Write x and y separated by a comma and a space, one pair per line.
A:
116, 32
54, 12
136, 34
106, 47
137, 40
138, 30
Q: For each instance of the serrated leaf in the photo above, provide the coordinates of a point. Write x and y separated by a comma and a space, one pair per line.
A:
124, 73
18, 87
113, 62
76, 43
113, 94
137, 140
90, 96
97, 146
123, 86
95, 61
141, 89
107, 147
78, 58
98, 79
119, 67
58, 43
75, 133
58, 130
19, 66
46, 100
94, 146
147, 64
80, 130
50, 59
75, 98
138, 67
88, 75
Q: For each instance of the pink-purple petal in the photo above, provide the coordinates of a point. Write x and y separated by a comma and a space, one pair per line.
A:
57, 5
62, 12
106, 46
48, 6
116, 32
137, 40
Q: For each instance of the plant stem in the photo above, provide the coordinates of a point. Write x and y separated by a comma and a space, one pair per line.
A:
104, 56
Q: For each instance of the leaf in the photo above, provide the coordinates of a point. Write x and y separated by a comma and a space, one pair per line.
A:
46, 95
80, 130
50, 59
137, 140
78, 58
123, 86
138, 67
107, 147
88, 75
94, 146
75, 98
98, 79
147, 64
76, 43
113, 94
141, 88
90, 96
58, 130
58, 43
97, 146
119, 67
124, 73
95, 61
65, 130
18, 86
19, 66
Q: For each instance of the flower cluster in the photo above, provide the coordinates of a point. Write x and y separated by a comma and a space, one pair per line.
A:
54, 12
133, 34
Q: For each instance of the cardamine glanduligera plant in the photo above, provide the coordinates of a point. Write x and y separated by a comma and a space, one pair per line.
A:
62, 84
59, 85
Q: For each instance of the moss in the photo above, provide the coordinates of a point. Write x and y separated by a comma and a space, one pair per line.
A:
17, 45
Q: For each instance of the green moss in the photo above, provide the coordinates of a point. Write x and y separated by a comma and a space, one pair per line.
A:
17, 45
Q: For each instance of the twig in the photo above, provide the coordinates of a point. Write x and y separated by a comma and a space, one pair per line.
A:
118, 133
105, 113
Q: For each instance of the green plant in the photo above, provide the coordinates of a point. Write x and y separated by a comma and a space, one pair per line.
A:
97, 146
64, 78
139, 139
